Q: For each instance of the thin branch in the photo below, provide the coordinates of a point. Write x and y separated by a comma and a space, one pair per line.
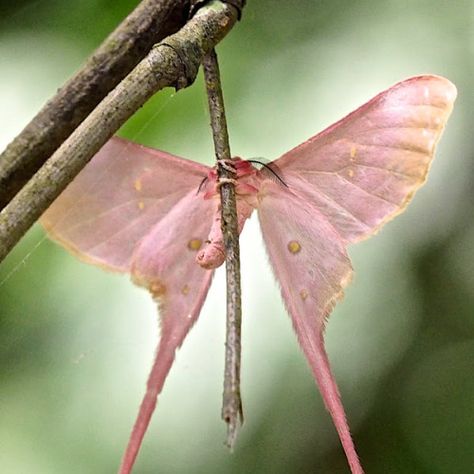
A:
232, 403
172, 62
148, 24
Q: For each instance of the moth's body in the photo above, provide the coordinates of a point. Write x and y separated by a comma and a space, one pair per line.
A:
247, 185
135, 209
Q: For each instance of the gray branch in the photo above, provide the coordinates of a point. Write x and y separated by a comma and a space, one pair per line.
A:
232, 403
148, 24
173, 62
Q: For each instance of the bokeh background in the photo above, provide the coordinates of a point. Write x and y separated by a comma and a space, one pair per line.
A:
76, 343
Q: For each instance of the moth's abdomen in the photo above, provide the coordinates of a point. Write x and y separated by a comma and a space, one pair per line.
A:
212, 255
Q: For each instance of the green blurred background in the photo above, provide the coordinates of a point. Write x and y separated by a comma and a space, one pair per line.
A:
76, 343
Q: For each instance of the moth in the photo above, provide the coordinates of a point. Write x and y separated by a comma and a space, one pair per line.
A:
157, 217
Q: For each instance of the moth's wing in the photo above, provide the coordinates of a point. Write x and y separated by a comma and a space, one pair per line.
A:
364, 169
311, 264
164, 262
137, 209
116, 199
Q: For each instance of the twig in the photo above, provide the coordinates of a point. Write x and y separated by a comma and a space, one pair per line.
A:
173, 62
148, 24
232, 403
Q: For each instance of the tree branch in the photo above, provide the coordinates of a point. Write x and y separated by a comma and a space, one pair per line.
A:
232, 403
172, 63
149, 23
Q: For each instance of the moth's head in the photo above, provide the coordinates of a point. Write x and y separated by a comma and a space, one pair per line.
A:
243, 167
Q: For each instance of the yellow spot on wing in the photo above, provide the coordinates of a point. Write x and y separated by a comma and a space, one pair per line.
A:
141, 205
350, 173
137, 185
353, 151
294, 246
194, 244
157, 289
303, 294
185, 290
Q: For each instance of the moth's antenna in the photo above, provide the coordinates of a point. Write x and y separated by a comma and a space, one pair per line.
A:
201, 185
269, 169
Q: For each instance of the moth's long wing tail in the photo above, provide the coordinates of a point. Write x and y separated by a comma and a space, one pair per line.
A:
174, 329
164, 262
310, 262
364, 169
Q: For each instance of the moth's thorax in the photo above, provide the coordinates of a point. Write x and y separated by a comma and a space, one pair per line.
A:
246, 180
212, 255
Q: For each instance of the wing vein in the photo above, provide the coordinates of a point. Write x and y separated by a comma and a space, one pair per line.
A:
336, 204
368, 192
394, 147
123, 204
405, 175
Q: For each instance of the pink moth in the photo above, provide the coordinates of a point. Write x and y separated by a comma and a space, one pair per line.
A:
150, 217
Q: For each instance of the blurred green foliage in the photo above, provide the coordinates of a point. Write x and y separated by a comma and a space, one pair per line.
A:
76, 343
